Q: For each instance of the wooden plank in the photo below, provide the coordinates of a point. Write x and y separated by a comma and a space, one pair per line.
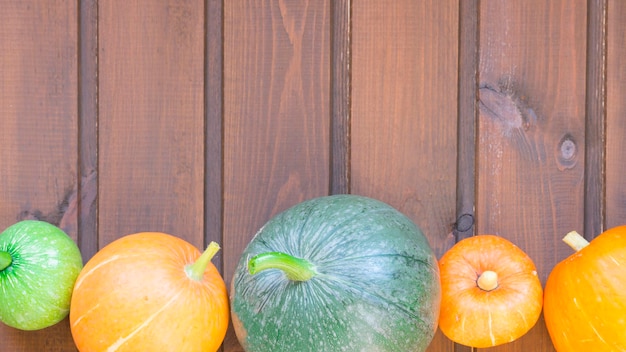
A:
340, 96
86, 201
468, 116
531, 132
616, 115
151, 119
404, 112
469, 13
277, 119
214, 130
404, 109
595, 129
38, 143
214, 154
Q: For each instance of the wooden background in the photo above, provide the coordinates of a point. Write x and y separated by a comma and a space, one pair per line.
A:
205, 118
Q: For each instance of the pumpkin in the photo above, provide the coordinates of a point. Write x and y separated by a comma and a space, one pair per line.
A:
585, 295
39, 264
491, 294
336, 273
149, 292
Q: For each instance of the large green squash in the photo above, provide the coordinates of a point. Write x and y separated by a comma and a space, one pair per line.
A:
337, 273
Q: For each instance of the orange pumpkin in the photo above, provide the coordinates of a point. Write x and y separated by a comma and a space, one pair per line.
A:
585, 295
149, 292
491, 294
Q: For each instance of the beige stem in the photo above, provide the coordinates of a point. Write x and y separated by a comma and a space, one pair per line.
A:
488, 280
575, 240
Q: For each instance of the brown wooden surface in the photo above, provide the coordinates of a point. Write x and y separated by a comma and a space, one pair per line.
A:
616, 115
38, 133
214, 110
205, 118
595, 126
404, 115
341, 95
531, 131
151, 122
87, 200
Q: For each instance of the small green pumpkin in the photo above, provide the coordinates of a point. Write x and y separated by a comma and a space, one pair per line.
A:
337, 273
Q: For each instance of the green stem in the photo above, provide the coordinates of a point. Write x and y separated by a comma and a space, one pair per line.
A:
5, 260
296, 269
196, 270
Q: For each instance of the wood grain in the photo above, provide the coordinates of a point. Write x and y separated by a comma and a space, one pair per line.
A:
341, 80
214, 115
595, 128
467, 119
38, 134
616, 115
276, 115
531, 132
151, 119
86, 199
404, 109
404, 112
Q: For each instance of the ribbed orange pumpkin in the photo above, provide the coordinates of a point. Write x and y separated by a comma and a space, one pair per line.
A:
491, 294
149, 292
585, 295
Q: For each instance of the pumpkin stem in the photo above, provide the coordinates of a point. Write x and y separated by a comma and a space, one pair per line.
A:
488, 280
196, 270
296, 269
575, 240
5, 260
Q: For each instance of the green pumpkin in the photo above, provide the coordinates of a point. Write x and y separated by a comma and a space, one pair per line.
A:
337, 273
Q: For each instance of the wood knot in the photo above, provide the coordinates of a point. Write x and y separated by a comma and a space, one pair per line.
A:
464, 222
566, 153
501, 107
506, 108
